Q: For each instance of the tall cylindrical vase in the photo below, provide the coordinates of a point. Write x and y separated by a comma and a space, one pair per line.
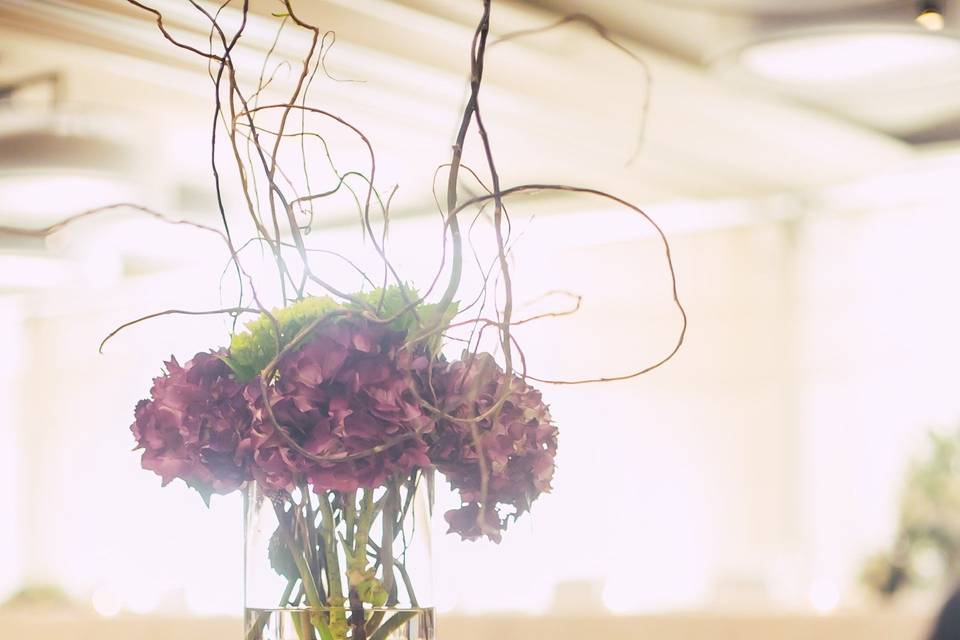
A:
339, 565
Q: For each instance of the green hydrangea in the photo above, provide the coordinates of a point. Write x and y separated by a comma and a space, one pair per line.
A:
394, 299
252, 349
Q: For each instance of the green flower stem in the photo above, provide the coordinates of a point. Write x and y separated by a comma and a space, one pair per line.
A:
338, 618
313, 599
357, 618
408, 583
386, 560
306, 576
325, 631
383, 554
310, 588
350, 515
392, 624
307, 521
303, 626
412, 484
301, 520
390, 507
402, 568
373, 622
357, 562
367, 513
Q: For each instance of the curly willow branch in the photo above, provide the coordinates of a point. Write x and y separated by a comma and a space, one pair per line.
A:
273, 206
667, 253
604, 34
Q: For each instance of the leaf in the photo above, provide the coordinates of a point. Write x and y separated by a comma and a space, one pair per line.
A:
390, 301
280, 558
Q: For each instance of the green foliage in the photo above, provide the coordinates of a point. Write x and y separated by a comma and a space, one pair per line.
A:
423, 316
929, 527
930, 511
37, 595
251, 350
394, 299
886, 572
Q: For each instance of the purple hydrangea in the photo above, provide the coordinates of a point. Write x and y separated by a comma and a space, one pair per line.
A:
347, 391
350, 417
518, 439
194, 426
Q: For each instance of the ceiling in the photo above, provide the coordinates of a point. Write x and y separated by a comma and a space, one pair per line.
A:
562, 106
711, 33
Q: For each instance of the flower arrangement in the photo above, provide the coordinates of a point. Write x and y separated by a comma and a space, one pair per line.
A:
337, 428
332, 409
341, 409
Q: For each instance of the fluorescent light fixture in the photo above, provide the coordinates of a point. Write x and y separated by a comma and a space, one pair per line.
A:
835, 58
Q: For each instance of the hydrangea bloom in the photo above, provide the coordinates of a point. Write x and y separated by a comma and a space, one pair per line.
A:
193, 426
519, 441
340, 413
347, 390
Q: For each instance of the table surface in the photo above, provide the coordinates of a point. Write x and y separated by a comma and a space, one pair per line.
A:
43, 625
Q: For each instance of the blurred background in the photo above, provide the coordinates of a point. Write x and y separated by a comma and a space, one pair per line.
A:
804, 159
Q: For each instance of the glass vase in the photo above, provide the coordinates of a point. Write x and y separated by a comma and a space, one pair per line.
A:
339, 565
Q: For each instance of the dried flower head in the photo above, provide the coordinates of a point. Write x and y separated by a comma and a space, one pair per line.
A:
345, 408
194, 426
518, 440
